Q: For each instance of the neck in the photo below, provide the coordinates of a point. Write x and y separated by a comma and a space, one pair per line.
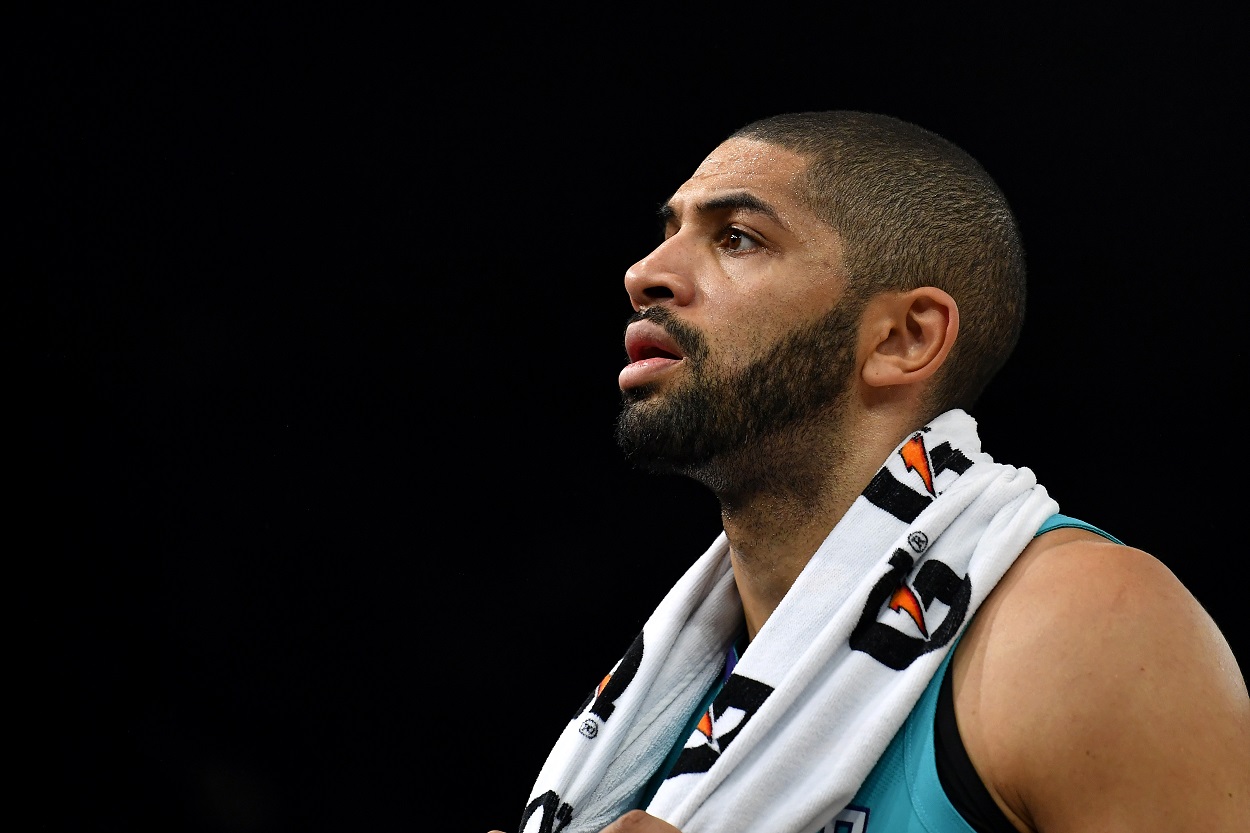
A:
774, 525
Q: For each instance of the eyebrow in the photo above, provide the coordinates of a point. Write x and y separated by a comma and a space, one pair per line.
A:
736, 201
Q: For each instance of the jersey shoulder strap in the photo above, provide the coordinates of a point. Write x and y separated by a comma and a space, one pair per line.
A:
1058, 521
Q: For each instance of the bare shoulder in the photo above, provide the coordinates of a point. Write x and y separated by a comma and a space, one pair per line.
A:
1093, 691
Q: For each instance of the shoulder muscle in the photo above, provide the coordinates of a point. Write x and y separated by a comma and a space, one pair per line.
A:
1094, 692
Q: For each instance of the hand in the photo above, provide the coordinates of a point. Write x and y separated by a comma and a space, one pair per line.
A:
635, 821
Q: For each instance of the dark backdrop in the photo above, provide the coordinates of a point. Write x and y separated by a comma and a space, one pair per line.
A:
337, 536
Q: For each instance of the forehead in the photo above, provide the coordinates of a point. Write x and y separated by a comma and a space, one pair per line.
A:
768, 171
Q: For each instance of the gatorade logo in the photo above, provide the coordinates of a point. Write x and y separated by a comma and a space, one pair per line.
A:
602, 700
889, 642
735, 705
554, 814
898, 621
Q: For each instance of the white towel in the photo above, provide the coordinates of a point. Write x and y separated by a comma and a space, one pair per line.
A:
830, 677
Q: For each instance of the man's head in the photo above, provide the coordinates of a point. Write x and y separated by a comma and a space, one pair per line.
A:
754, 312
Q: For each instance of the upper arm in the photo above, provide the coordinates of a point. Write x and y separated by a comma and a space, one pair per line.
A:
1099, 695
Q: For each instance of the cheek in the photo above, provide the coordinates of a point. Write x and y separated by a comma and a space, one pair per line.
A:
745, 318
738, 337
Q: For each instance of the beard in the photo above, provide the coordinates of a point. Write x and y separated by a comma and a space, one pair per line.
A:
730, 429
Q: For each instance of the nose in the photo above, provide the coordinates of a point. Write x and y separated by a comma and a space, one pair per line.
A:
663, 275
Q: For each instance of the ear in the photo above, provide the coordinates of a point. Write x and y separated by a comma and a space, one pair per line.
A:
908, 335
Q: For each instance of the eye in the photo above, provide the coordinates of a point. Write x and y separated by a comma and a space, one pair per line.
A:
736, 240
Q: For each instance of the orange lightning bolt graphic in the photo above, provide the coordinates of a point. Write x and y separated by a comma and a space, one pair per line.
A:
917, 460
705, 724
905, 600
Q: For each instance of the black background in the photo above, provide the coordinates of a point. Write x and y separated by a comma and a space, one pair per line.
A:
337, 534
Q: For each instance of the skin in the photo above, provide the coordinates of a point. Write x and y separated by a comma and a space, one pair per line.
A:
1092, 691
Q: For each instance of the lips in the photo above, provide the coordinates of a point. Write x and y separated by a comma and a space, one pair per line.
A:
651, 353
647, 340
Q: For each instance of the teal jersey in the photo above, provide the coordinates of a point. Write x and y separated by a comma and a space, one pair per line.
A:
903, 793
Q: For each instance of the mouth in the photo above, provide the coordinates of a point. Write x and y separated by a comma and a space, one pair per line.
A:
646, 340
652, 354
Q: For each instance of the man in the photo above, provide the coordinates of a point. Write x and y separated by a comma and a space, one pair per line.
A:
894, 631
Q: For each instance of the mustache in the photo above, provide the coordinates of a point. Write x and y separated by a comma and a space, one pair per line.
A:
689, 339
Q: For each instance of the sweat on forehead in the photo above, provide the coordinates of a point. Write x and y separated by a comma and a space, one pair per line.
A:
748, 157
